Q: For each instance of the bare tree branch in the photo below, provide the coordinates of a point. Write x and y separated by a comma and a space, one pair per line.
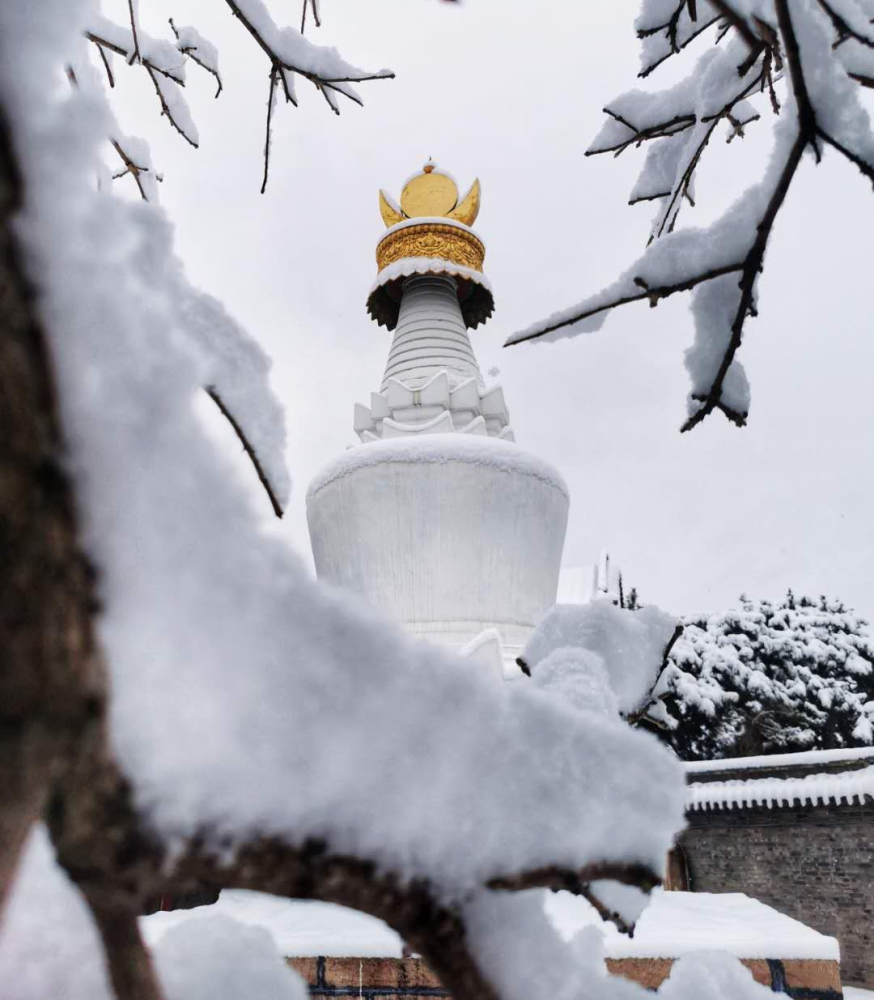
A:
166, 110
843, 29
130, 167
105, 60
135, 55
280, 63
653, 293
212, 392
129, 963
670, 30
671, 126
270, 97
170, 72
712, 399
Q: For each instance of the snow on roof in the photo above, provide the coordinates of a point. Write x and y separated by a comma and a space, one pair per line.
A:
677, 923
813, 789
300, 928
805, 758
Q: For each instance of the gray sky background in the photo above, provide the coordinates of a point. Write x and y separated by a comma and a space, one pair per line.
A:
512, 92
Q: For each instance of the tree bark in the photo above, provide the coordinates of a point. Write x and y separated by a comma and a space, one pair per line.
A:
51, 683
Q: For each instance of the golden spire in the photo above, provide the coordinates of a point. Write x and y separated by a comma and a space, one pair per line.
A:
435, 238
431, 194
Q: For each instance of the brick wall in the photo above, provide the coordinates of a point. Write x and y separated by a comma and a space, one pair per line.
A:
813, 863
411, 979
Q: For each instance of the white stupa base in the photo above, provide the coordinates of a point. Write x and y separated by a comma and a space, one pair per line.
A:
448, 534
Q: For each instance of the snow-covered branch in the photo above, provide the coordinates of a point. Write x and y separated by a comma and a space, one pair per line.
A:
825, 49
163, 62
290, 54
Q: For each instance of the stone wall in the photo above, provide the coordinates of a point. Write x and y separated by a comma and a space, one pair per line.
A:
815, 864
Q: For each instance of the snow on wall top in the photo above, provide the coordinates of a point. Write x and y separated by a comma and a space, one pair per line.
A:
813, 789
677, 923
440, 448
818, 788
804, 758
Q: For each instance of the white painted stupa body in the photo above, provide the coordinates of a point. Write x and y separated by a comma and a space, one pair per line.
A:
437, 517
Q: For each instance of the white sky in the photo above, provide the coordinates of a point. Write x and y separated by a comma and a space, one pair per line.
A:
512, 92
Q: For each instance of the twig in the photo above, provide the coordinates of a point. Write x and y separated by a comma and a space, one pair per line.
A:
130, 167
654, 294
752, 267
282, 64
105, 59
165, 107
671, 213
672, 126
135, 55
737, 21
191, 52
212, 392
273, 76
843, 29
120, 50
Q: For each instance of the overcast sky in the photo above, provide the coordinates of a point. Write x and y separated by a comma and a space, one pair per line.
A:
512, 92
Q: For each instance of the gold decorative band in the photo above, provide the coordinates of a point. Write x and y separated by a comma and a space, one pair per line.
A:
430, 239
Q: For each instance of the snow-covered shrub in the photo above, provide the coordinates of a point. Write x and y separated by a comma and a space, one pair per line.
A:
768, 678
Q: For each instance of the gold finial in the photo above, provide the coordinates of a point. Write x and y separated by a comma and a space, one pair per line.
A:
431, 194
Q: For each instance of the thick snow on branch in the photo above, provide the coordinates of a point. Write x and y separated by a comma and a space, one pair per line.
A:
667, 26
163, 56
630, 646
238, 374
295, 51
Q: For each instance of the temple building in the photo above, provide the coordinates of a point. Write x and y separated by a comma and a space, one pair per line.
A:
437, 517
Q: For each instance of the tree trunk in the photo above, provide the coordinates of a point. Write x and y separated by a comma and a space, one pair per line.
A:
51, 682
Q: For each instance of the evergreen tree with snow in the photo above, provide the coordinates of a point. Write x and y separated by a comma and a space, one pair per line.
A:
767, 678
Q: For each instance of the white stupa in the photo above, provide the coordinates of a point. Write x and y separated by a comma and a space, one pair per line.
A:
437, 517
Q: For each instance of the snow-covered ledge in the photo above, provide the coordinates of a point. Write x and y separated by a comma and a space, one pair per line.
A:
815, 777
